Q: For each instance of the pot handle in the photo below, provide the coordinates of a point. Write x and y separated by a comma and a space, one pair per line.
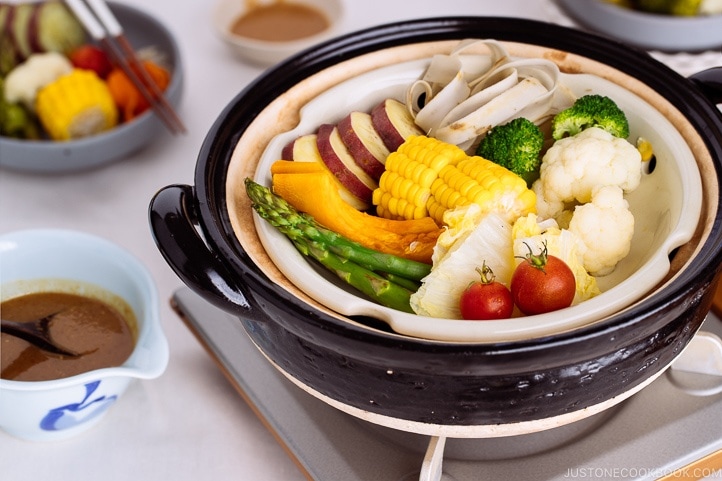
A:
174, 224
710, 83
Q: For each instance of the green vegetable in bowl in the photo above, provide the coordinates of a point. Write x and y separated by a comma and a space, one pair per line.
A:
384, 278
670, 7
15, 120
682, 8
591, 111
515, 145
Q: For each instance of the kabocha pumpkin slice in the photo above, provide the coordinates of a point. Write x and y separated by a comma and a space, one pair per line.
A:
315, 194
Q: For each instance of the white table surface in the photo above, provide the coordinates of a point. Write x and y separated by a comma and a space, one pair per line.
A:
189, 424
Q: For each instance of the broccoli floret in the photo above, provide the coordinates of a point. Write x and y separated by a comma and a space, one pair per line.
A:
591, 111
15, 120
515, 145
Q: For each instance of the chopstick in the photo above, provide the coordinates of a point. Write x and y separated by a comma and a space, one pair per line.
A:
102, 25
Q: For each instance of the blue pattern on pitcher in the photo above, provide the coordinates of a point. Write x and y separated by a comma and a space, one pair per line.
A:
71, 415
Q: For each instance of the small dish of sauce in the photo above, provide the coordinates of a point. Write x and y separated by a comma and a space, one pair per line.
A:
96, 324
265, 32
281, 21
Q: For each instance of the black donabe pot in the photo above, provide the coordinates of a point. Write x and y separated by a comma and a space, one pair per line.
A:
444, 388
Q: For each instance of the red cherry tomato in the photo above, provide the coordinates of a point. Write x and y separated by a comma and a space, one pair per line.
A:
90, 57
542, 283
486, 299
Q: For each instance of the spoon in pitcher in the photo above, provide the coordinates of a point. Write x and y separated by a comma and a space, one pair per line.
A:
37, 333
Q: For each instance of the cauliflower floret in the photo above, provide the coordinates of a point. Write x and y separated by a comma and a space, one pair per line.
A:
546, 208
574, 166
605, 227
24, 81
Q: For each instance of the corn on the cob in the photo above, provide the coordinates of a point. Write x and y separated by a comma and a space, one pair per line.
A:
76, 105
405, 186
645, 149
427, 177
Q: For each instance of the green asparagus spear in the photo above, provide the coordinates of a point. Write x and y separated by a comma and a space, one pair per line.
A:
383, 291
295, 224
410, 284
314, 241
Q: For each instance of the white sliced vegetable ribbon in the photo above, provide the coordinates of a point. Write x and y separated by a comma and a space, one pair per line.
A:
498, 110
465, 95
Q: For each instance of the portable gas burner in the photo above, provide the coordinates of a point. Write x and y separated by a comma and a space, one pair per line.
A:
672, 429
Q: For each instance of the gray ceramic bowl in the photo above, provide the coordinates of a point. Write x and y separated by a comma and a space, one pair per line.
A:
46, 156
651, 31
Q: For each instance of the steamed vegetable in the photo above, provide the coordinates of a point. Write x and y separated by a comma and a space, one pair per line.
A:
37, 27
473, 236
516, 145
8, 59
605, 227
542, 283
42, 41
487, 212
127, 96
15, 120
310, 188
591, 111
671, 7
531, 232
582, 182
25, 81
574, 166
76, 105
427, 177
460, 97
361, 268
486, 299
685, 8
91, 57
